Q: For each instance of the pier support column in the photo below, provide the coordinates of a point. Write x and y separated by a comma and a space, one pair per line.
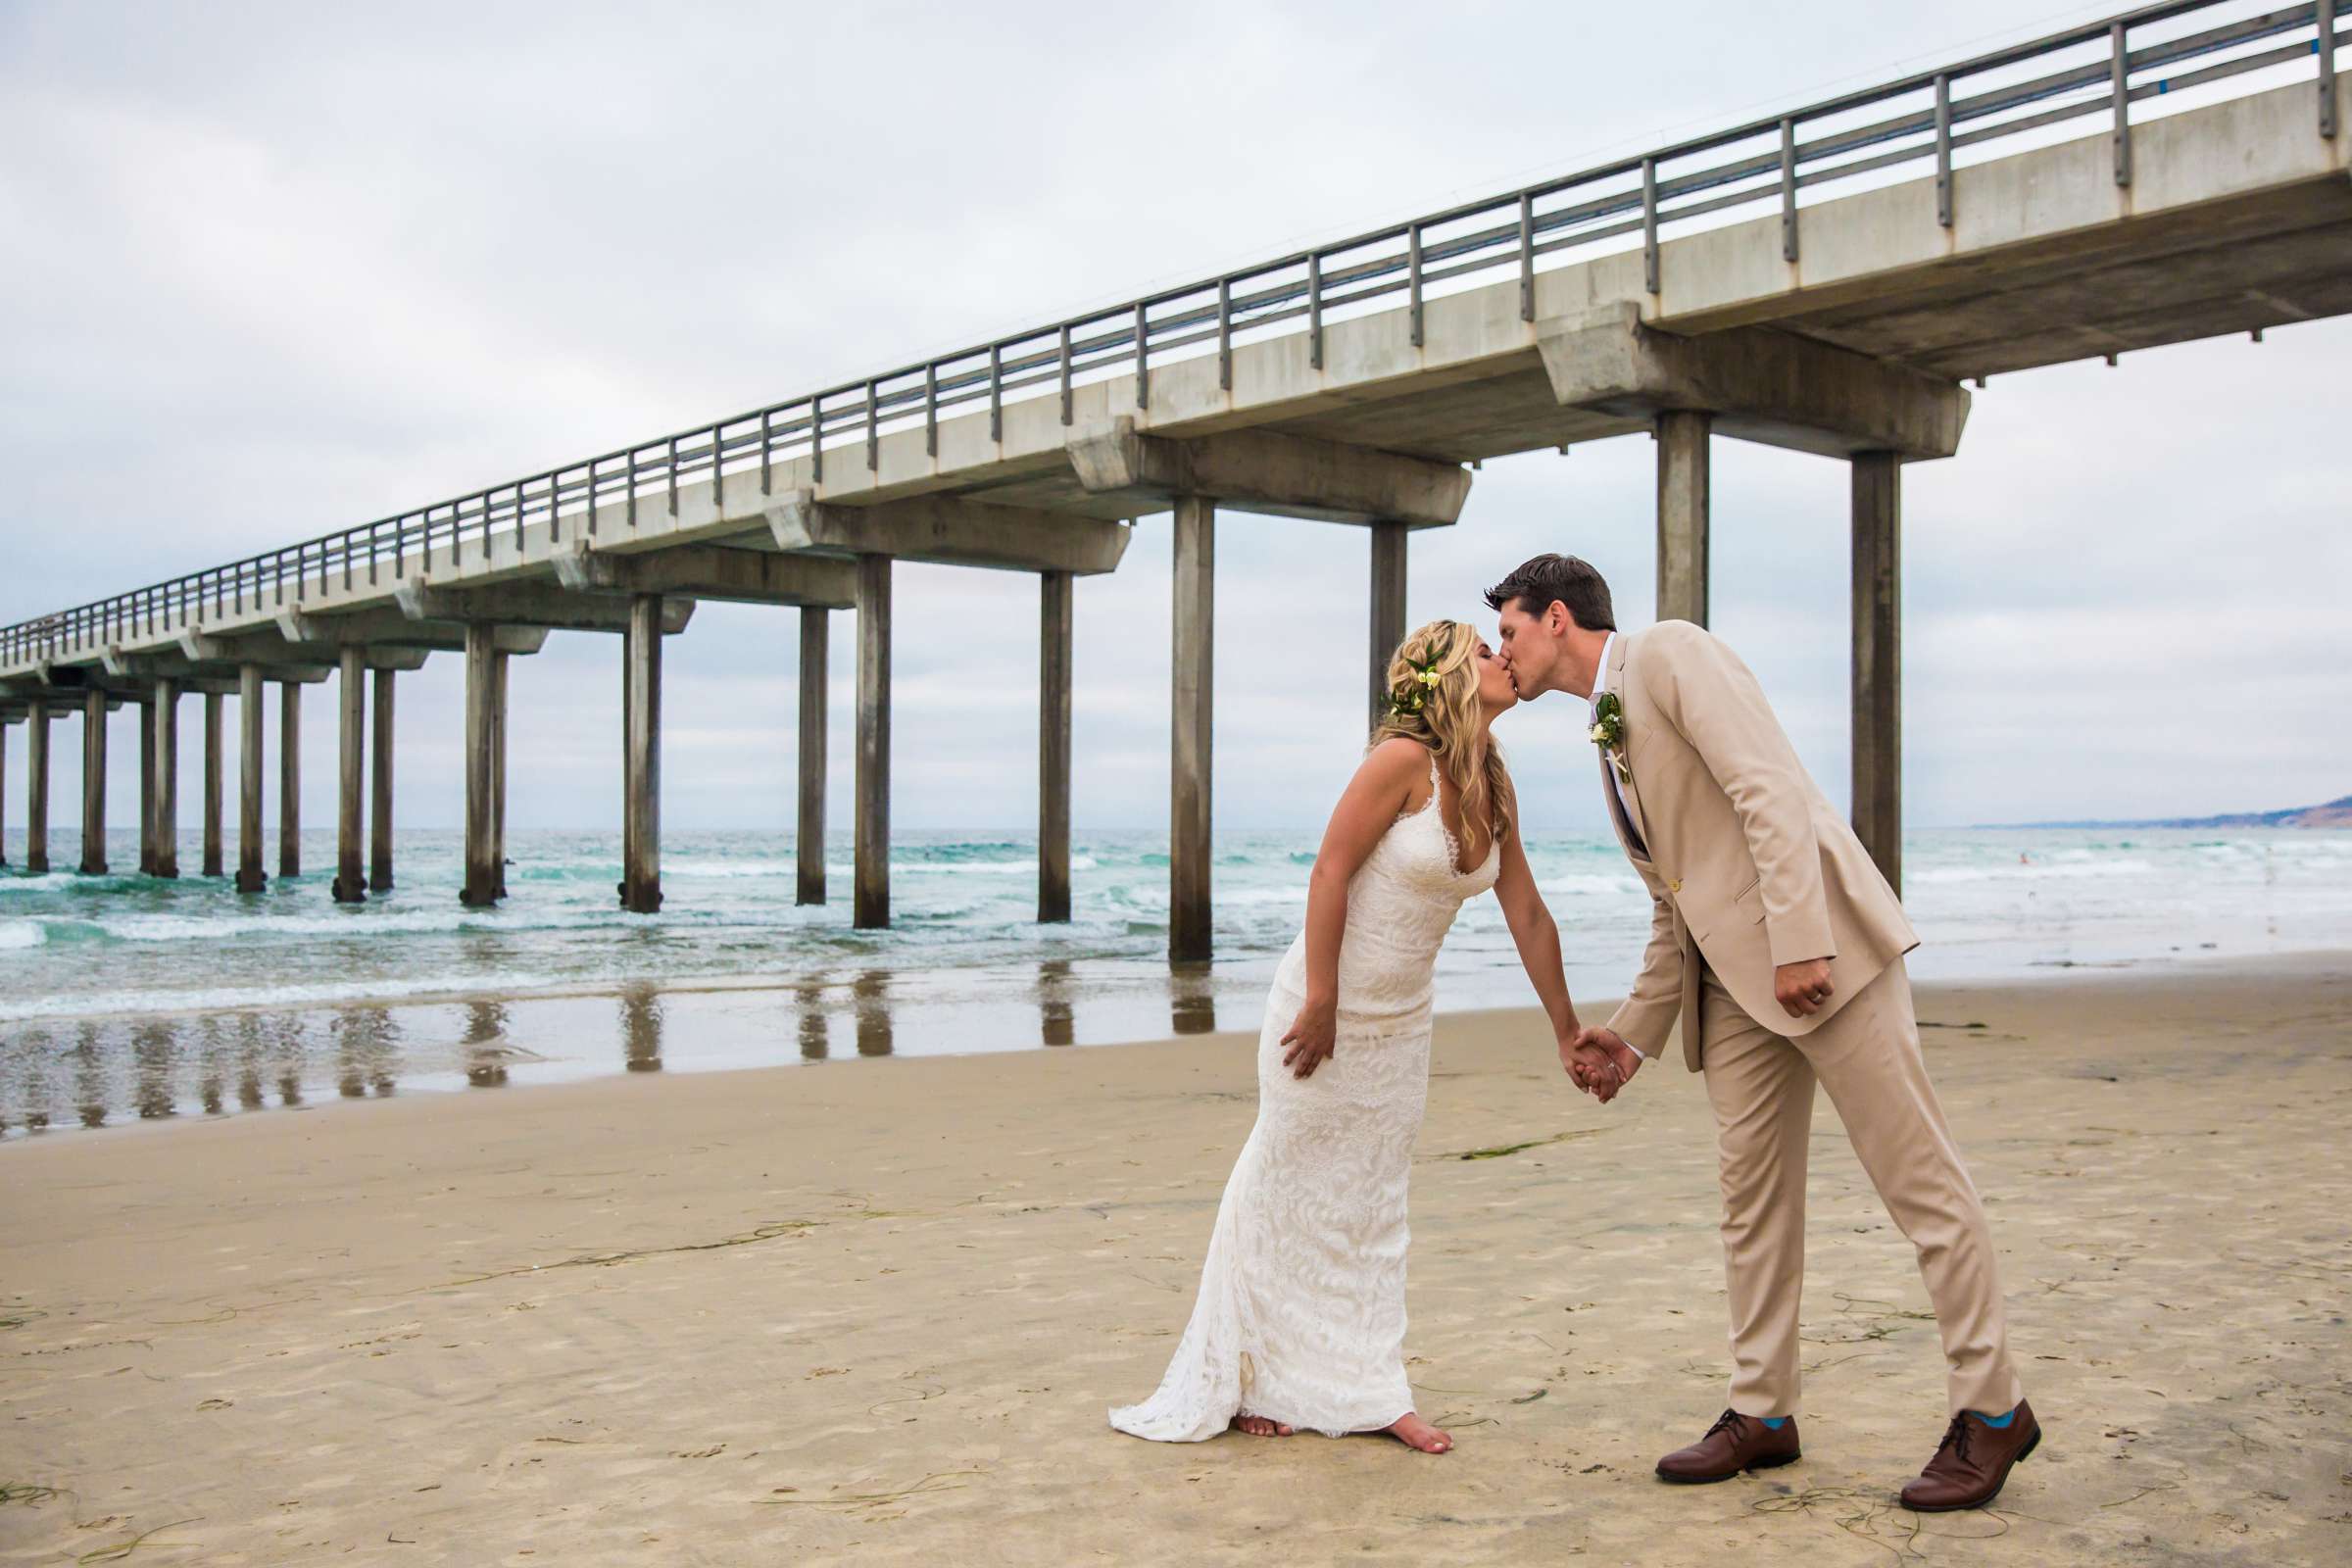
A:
482, 871
351, 735
249, 780
3, 792
166, 777
498, 766
93, 784
1053, 669
379, 815
1878, 608
1683, 504
1190, 704
1388, 608
146, 710
37, 788
870, 897
808, 838
289, 779
211, 863
640, 757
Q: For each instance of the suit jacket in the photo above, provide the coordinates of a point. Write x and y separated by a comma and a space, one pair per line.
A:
1747, 866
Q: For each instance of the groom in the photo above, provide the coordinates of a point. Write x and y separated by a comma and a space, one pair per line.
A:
1779, 947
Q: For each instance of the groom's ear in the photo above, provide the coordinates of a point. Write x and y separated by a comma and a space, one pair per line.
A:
1556, 619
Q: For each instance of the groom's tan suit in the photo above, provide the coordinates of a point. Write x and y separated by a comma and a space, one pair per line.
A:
1748, 868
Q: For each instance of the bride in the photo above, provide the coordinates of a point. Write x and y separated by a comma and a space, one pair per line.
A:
1301, 1317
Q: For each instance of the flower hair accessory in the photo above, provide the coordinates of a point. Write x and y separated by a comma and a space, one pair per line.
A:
1416, 692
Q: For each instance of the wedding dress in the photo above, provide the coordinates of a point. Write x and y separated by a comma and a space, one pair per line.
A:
1301, 1315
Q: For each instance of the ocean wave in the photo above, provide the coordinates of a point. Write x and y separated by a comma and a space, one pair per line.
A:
1591, 884
218, 998
17, 934
2055, 869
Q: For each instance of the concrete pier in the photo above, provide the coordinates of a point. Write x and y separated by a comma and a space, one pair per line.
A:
1683, 440
870, 891
212, 753
379, 813
1387, 598
1877, 642
3, 789
93, 784
1853, 345
249, 780
481, 698
1053, 678
37, 787
146, 711
499, 665
808, 838
166, 777
289, 779
351, 692
640, 757
1190, 705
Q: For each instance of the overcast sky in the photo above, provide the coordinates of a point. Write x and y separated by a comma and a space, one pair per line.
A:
268, 271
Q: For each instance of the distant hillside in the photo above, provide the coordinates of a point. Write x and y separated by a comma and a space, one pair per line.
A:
2335, 814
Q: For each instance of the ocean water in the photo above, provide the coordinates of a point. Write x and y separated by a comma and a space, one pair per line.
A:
125, 998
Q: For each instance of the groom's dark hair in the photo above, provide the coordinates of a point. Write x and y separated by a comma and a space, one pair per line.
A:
1547, 581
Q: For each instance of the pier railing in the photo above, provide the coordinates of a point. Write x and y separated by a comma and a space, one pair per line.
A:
2095, 69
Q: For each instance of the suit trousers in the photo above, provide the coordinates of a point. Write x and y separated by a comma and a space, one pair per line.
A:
1761, 1085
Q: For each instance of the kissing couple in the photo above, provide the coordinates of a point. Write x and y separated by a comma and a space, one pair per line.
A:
1775, 945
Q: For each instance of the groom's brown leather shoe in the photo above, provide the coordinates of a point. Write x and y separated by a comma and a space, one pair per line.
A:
1973, 1462
1735, 1443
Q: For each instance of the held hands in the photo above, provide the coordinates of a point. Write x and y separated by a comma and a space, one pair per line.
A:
1802, 988
1310, 1038
1599, 1061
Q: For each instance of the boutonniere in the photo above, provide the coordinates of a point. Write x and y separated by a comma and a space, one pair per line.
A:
1608, 733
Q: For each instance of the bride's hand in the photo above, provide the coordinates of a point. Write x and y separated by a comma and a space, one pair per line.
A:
1310, 1038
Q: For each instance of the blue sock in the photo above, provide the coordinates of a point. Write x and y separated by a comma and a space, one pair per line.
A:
1776, 1422
1997, 1420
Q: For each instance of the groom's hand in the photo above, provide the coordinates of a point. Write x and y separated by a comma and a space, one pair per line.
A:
1802, 988
1606, 1062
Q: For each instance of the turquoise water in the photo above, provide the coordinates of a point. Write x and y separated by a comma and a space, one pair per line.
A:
127, 996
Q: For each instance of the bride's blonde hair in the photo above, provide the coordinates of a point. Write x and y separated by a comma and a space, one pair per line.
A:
1433, 700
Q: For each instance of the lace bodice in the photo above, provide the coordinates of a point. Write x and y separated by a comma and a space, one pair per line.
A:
1400, 904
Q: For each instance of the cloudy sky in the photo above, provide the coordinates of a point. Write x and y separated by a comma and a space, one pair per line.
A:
275, 270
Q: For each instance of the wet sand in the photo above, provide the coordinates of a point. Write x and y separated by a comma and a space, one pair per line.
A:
872, 1314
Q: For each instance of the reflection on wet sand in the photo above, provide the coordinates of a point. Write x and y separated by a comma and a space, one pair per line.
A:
365, 1045
34, 1111
816, 1041
641, 1029
1057, 1015
1191, 1003
210, 1054
875, 1029
89, 1084
249, 1061
485, 1045
286, 1035
155, 1049
107, 1070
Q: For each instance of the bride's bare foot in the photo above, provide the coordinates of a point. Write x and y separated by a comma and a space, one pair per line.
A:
1257, 1426
1415, 1433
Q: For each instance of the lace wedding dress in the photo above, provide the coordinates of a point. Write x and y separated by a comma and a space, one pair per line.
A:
1301, 1315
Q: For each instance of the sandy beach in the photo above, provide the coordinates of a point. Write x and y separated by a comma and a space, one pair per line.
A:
872, 1312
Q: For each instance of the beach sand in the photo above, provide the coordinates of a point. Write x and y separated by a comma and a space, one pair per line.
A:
873, 1311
